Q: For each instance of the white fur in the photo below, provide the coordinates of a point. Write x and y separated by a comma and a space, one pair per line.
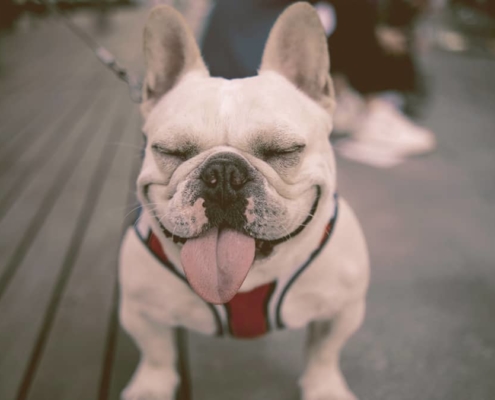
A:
220, 115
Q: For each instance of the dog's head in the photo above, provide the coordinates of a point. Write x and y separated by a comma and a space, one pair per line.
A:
233, 168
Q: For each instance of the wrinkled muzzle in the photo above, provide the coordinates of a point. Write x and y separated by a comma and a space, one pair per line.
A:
217, 262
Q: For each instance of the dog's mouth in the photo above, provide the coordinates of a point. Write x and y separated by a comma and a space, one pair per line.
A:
263, 247
217, 261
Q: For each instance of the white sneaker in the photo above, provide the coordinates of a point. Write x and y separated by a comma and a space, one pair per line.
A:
385, 126
368, 153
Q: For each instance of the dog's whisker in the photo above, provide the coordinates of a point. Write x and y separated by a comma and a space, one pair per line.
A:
131, 211
160, 219
287, 233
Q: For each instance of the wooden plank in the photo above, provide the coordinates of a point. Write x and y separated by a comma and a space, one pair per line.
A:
14, 116
22, 222
26, 299
79, 328
22, 124
8, 103
34, 111
26, 48
19, 169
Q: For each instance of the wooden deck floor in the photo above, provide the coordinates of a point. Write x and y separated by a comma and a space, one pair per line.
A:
69, 151
70, 147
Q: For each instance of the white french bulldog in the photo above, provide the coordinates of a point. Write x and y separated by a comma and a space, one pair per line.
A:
241, 230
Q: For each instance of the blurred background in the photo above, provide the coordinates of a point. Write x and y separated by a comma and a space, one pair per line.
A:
415, 141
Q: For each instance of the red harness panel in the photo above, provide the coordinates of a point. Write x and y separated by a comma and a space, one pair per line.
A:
156, 247
247, 312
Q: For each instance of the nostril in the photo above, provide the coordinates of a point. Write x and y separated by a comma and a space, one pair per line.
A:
237, 180
210, 177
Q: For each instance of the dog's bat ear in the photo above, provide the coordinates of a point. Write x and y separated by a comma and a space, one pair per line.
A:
170, 52
297, 49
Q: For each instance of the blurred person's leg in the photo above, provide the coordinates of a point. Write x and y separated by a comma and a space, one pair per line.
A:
10, 11
237, 31
357, 53
371, 81
235, 36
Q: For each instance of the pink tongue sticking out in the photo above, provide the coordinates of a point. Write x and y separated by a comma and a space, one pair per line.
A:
217, 263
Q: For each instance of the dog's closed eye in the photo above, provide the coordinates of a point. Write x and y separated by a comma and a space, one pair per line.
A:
280, 157
179, 154
270, 152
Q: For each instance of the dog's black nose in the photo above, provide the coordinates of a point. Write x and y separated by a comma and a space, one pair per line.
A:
224, 176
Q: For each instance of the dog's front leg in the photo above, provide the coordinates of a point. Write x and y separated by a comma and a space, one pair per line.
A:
323, 379
155, 377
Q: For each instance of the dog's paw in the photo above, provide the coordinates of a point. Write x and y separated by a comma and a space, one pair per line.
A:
334, 393
322, 385
144, 395
135, 392
151, 384
331, 396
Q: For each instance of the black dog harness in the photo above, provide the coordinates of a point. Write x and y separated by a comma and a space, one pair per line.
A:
249, 314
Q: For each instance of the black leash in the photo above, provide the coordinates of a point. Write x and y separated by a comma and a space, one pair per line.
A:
105, 57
